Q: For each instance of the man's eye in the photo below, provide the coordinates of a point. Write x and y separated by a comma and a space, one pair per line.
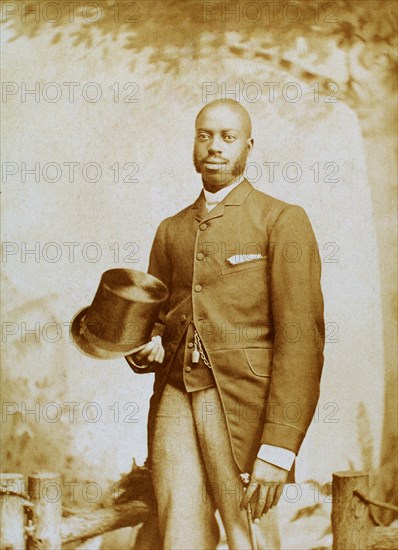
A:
229, 137
202, 137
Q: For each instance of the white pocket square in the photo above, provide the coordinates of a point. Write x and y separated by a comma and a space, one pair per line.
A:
240, 258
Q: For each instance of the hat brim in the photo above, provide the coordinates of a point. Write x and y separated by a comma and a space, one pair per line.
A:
90, 348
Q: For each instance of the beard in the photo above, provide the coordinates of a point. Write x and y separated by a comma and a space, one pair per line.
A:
225, 172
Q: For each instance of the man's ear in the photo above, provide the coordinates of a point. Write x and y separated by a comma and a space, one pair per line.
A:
250, 144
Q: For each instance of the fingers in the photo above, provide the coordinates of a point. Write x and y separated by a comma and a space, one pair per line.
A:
278, 494
158, 355
249, 492
152, 352
160, 351
270, 498
144, 353
262, 498
274, 494
157, 351
263, 492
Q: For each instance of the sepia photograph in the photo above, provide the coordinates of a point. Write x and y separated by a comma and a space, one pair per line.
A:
199, 275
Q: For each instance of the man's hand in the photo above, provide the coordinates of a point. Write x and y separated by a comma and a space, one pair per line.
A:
152, 352
265, 488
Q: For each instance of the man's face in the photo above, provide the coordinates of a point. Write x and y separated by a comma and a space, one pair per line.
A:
222, 143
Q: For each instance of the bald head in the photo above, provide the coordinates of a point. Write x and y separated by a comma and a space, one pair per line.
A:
227, 110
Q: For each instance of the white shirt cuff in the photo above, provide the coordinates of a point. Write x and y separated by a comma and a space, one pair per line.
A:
283, 458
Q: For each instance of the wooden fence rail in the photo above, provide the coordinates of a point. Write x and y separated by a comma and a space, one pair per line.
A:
34, 521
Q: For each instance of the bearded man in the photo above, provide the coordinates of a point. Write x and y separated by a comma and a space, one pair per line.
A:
238, 350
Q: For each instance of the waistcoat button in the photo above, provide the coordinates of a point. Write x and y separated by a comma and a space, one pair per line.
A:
203, 226
188, 369
197, 288
200, 256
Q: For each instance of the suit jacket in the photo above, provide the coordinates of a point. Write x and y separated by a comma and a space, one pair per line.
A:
261, 321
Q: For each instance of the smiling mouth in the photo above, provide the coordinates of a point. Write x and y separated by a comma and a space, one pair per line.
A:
214, 165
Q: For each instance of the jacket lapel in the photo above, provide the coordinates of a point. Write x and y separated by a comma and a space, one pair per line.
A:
199, 207
235, 198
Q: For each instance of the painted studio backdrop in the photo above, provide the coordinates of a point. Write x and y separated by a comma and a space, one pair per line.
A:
98, 115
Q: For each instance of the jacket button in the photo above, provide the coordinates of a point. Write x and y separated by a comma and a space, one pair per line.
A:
200, 256
203, 226
188, 369
197, 288
183, 318
190, 344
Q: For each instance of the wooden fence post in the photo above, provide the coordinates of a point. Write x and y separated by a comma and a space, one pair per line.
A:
350, 516
12, 516
45, 492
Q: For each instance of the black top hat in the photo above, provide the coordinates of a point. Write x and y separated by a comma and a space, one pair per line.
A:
122, 315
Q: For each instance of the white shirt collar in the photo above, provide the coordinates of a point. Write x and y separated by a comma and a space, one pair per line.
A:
213, 198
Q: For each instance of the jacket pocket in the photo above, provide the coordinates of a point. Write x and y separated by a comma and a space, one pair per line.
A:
244, 266
259, 361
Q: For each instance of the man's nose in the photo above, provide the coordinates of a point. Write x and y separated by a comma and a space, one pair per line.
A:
215, 146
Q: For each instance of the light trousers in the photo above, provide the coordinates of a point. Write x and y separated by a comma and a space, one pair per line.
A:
194, 474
